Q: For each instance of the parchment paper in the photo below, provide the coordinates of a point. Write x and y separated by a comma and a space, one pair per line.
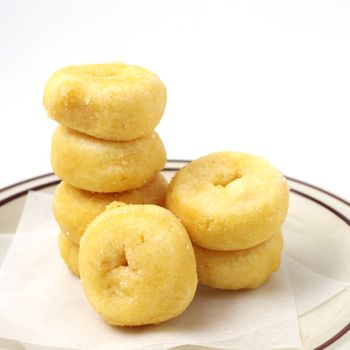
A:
42, 303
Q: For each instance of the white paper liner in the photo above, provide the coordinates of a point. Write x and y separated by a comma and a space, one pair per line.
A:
42, 303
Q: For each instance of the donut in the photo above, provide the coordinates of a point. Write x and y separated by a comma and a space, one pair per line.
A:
105, 166
229, 200
74, 209
137, 265
70, 253
111, 101
239, 269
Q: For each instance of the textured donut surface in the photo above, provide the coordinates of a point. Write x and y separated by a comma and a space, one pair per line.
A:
105, 166
109, 101
74, 209
137, 265
70, 253
239, 269
229, 200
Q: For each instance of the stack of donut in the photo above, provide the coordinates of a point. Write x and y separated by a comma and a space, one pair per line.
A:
105, 148
232, 205
138, 262
109, 203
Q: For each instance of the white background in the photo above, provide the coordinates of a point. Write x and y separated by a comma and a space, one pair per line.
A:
266, 77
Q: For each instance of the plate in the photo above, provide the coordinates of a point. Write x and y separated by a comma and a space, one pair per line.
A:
317, 220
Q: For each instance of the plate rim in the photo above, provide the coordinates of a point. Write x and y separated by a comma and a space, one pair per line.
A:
302, 182
344, 218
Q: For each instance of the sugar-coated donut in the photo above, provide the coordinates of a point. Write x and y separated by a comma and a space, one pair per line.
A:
105, 166
137, 265
109, 101
229, 200
69, 253
238, 269
74, 209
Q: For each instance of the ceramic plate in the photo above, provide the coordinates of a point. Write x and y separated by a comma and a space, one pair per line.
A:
318, 221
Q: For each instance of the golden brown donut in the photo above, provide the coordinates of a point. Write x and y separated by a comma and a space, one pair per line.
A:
229, 200
74, 209
105, 166
238, 269
137, 265
111, 101
70, 253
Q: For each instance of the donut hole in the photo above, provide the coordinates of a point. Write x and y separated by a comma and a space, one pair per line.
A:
224, 179
117, 259
102, 71
124, 260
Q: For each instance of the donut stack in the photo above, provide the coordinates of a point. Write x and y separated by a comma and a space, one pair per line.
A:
233, 206
106, 148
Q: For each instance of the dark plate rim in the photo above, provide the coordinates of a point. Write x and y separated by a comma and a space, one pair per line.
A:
343, 200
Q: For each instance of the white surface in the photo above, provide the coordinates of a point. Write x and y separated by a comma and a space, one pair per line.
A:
215, 318
271, 77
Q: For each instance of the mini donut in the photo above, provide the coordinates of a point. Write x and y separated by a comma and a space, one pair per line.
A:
238, 269
111, 101
105, 166
137, 265
69, 253
229, 200
74, 209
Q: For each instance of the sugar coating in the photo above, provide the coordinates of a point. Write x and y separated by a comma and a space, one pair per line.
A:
238, 269
69, 253
105, 166
111, 101
74, 209
229, 200
137, 265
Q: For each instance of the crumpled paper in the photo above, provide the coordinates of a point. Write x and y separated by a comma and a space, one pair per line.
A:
42, 303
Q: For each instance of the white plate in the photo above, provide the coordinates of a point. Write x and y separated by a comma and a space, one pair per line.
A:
316, 218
